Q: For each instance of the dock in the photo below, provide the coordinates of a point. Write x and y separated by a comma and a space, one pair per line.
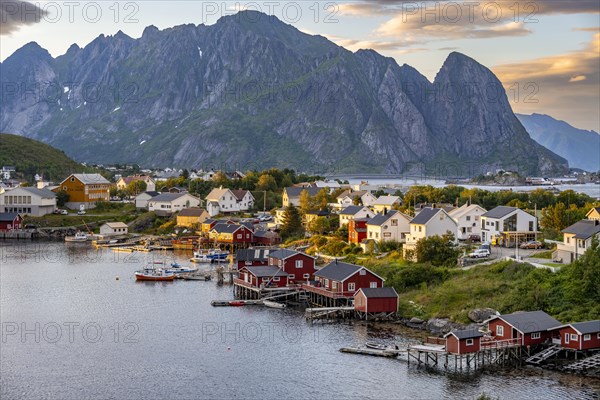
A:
235, 303
371, 352
328, 313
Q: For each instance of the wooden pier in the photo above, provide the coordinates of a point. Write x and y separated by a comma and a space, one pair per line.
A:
329, 313
371, 352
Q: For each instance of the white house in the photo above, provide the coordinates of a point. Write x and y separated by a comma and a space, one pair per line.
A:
577, 238
504, 225
142, 199
114, 228
346, 198
351, 213
468, 219
291, 195
28, 201
385, 203
429, 222
221, 201
393, 226
169, 203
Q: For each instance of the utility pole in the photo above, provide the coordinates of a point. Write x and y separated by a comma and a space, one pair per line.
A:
265, 202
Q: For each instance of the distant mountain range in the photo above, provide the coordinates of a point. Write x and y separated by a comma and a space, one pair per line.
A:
252, 92
581, 148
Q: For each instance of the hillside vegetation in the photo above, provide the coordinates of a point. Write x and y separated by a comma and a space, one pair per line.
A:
31, 157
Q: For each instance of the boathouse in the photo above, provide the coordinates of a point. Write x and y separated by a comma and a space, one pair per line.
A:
266, 238
231, 234
525, 328
299, 266
252, 257
463, 341
10, 221
579, 335
263, 277
373, 301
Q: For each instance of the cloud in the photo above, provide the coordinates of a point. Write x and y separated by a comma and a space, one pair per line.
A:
15, 14
377, 45
553, 85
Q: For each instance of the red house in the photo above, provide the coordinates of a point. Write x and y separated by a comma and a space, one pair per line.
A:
580, 335
267, 238
376, 300
267, 276
463, 342
339, 279
252, 257
10, 221
357, 230
525, 328
231, 234
299, 266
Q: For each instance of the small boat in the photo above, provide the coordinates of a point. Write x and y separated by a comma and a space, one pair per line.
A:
273, 304
237, 303
196, 277
209, 256
178, 269
79, 237
151, 273
376, 346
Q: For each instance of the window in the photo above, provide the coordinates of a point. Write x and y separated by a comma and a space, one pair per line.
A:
469, 342
363, 272
326, 282
299, 263
239, 236
530, 226
306, 276
351, 287
568, 239
373, 285
394, 222
334, 285
500, 330
566, 338
598, 336
535, 335
573, 337
276, 279
291, 276
420, 228
468, 217
587, 337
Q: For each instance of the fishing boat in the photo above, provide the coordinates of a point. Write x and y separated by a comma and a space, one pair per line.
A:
79, 237
273, 304
176, 268
151, 273
209, 256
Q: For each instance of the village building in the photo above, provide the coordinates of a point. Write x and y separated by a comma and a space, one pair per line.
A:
169, 203
593, 214
463, 341
124, 182
391, 226
10, 222
192, 217
386, 203
28, 201
468, 219
429, 222
349, 198
291, 195
266, 238
577, 238
354, 212
357, 230
375, 301
114, 228
142, 199
524, 328
267, 276
239, 235
342, 280
579, 335
85, 190
222, 201
299, 266
310, 216
252, 257
505, 225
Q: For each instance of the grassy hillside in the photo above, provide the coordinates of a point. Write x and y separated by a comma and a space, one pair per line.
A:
31, 157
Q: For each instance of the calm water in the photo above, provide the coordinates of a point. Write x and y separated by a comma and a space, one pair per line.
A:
70, 330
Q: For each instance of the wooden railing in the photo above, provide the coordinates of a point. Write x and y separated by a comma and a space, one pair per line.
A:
326, 292
495, 344
435, 340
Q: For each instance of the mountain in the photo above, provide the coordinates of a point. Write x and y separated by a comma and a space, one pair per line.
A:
252, 92
580, 147
30, 157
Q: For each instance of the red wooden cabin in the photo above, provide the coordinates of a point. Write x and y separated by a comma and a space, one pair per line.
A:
266, 276
299, 266
463, 341
252, 257
231, 234
267, 238
339, 279
10, 221
357, 230
579, 335
526, 328
376, 300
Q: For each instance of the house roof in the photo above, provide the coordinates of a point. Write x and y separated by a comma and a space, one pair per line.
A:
583, 327
425, 215
8, 217
597, 209
381, 219
379, 293
216, 194
266, 234
499, 212
227, 228
583, 229
240, 194
528, 322
209, 221
252, 254
319, 213
352, 210
387, 200
43, 193
192, 212
340, 271
129, 179
167, 197
267, 270
464, 210
352, 194
465, 334
115, 225
89, 179
282, 254
150, 193
295, 191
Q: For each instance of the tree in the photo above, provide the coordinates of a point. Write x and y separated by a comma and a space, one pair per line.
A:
306, 203
437, 250
185, 174
62, 198
322, 199
136, 187
292, 223
266, 182
319, 225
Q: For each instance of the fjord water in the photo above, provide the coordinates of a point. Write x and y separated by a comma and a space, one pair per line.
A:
71, 330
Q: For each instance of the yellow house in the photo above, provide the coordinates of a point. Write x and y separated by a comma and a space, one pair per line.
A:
594, 214
192, 217
85, 190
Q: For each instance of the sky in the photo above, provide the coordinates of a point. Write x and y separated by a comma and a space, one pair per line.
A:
545, 52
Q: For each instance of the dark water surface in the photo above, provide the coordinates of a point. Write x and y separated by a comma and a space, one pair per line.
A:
71, 330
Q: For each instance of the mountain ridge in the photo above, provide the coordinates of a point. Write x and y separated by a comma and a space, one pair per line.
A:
240, 95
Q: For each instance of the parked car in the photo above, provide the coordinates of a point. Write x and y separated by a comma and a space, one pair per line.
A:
486, 246
81, 212
532, 244
474, 238
480, 253
64, 212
